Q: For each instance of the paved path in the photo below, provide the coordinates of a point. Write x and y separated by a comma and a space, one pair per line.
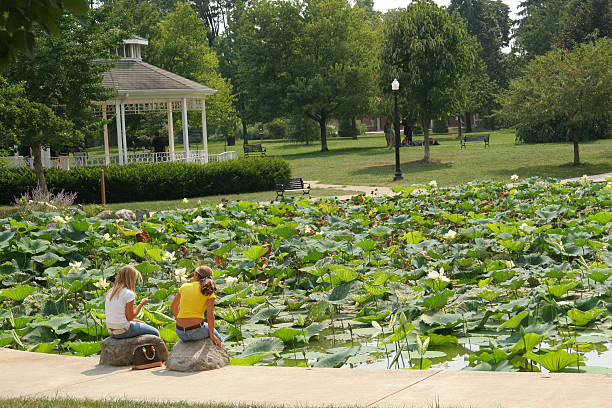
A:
25, 374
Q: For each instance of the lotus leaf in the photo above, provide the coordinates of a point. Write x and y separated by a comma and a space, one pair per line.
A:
581, 318
337, 359
555, 361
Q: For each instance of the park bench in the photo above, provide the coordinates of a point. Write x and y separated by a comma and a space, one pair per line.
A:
254, 149
293, 185
474, 138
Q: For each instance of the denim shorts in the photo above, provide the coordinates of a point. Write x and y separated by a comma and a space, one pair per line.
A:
199, 334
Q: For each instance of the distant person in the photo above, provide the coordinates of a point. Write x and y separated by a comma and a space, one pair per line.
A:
119, 307
157, 144
189, 305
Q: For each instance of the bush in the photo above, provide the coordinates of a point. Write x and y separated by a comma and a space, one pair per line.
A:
345, 128
151, 182
440, 126
555, 131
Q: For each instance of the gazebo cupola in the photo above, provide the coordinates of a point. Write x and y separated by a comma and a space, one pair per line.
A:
130, 49
142, 88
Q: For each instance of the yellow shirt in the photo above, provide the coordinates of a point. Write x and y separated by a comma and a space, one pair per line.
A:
193, 302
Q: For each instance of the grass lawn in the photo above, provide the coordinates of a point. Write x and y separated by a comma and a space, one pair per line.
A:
367, 161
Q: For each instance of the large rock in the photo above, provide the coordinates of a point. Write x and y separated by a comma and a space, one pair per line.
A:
125, 214
119, 352
199, 355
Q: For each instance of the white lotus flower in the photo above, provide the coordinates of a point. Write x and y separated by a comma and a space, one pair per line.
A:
510, 264
514, 177
220, 206
250, 223
585, 177
168, 256
58, 219
450, 235
230, 280
433, 183
523, 226
608, 185
102, 284
198, 220
75, 266
106, 237
435, 275
185, 200
309, 229
180, 274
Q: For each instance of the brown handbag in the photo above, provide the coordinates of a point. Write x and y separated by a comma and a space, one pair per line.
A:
145, 356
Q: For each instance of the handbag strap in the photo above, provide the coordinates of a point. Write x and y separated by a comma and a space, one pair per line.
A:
144, 351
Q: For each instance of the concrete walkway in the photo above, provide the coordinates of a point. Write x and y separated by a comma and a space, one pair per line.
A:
24, 374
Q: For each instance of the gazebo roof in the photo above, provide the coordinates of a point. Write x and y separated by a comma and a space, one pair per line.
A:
132, 78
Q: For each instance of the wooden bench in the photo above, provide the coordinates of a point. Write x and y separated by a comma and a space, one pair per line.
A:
254, 150
293, 185
474, 138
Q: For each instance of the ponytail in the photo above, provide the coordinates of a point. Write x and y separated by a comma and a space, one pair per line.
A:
207, 285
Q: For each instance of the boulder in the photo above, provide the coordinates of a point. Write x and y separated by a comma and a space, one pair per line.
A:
119, 352
199, 355
142, 214
106, 214
125, 214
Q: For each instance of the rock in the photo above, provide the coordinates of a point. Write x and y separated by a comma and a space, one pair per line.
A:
126, 215
106, 214
142, 214
119, 352
199, 355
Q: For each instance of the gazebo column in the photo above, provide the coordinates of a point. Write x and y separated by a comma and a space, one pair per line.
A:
185, 130
125, 150
204, 132
119, 131
106, 149
170, 131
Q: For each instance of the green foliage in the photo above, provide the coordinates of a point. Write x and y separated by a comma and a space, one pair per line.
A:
587, 20
555, 131
141, 182
428, 51
562, 86
539, 24
440, 126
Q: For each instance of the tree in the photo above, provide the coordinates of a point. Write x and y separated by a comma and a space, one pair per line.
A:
18, 19
178, 45
589, 19
214, 14
429, 51
31, 124
62, 76
310, 58
540, 23
568, 86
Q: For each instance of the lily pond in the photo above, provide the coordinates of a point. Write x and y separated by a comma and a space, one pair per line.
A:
483, 276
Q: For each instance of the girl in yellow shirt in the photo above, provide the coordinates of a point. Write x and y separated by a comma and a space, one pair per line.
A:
189, 305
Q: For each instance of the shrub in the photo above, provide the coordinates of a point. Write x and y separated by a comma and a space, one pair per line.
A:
440, 126
556, 131
345, 128
150, 182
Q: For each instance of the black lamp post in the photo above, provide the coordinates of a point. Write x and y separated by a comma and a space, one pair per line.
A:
398, 171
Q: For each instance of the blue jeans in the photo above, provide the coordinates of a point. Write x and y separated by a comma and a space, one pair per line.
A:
136, 329
199, 334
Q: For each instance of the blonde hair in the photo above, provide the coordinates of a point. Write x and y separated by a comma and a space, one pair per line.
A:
126, 278
203, 274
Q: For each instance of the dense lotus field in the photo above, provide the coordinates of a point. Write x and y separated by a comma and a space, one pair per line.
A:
483, 276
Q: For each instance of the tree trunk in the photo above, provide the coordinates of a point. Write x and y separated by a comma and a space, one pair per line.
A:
459, 126
354, 128
323, 127
468, 122
38, 168
245, 135
574, 133
425, 124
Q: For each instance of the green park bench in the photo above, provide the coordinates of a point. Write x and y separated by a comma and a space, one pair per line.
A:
474, 139
293, 185
254, 150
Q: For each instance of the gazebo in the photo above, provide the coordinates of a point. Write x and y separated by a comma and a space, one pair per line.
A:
145, 88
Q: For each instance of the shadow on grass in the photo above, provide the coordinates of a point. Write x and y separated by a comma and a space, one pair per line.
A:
407, 168
563, 171
345, 151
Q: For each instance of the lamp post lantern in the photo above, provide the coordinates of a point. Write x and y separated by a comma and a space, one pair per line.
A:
398, 171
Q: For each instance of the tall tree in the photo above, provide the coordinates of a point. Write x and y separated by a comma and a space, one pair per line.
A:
589, 19
561, 86
429, 51
62, 75
18, 19
214, 13
311, 58
539, 24
178, 45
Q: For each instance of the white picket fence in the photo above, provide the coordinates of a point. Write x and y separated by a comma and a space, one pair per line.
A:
82, 160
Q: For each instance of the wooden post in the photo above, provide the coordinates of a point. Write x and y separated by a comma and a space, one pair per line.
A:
103, 185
